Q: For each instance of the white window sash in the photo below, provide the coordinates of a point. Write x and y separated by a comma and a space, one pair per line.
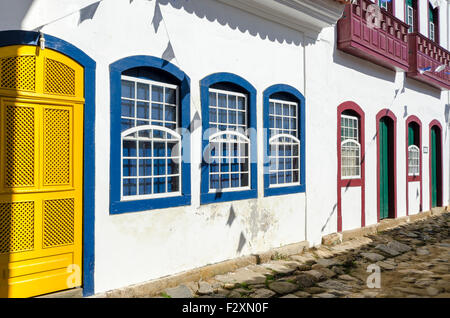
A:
343, 143
415, 149
272, 141
177, 138
241, 139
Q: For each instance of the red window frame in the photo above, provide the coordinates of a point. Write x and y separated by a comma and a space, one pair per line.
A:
344, 183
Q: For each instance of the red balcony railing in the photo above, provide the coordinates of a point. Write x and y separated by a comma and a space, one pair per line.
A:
384, 42
423, 54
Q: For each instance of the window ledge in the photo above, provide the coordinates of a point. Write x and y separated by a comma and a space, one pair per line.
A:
120, 207
276, 191
208, 198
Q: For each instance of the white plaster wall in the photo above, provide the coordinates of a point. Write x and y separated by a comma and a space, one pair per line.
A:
413, 197
210, 37
351, 208
207, 37
347, 78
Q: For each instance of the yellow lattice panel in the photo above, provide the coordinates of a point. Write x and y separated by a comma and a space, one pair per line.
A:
59, 78
58, 222
16, 227
28, 71
57, 146
19, 137
18, 72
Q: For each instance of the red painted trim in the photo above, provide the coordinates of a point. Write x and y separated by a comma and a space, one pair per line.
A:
383, 113
437, 124
353, 182
416, 120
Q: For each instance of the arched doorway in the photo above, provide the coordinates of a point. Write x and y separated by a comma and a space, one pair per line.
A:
63, 84
435, 164
386, 165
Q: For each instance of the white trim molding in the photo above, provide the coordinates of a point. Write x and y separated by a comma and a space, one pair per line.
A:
309, 16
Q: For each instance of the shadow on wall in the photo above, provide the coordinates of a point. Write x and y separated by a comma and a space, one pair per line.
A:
16, 12
238, 20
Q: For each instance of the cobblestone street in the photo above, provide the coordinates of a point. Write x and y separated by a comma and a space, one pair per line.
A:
413, 260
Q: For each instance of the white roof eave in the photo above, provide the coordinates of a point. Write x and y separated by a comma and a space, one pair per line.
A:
308, 16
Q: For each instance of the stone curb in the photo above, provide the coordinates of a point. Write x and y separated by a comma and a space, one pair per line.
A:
337, 238
154, 287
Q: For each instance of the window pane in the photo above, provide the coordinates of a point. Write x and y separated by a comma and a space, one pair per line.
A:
171, 95
159, 167
171, 114
129, 187
145, 149
157, 111
127, 89
157, 93
143, 110
232, 102
129, 167
127, 108
159, 185
222, 102
145, 186
241, 103
212, 99
129, 148
145, 168
173, 184
143, 91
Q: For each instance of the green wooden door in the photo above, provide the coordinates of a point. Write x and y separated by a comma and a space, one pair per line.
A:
384, 169
433, 168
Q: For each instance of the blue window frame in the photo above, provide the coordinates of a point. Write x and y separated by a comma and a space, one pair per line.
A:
150, 142
284, 147
229, 166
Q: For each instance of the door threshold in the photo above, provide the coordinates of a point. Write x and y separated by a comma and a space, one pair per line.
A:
71, 293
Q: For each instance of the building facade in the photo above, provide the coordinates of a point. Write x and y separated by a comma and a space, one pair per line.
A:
141, 139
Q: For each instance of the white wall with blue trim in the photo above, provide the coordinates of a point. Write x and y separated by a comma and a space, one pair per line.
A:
209, 37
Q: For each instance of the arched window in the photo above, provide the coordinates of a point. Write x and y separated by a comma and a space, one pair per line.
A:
229, 139
149, 148
284, 116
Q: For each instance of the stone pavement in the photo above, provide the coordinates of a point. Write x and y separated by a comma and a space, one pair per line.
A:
413, 261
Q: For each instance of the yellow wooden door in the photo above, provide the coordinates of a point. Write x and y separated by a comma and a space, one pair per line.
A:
41, 171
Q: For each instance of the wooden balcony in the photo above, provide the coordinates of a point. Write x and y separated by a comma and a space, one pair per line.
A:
424, 53
385, 44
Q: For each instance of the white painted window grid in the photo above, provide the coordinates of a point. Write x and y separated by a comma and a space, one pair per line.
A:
432, 32
410, 18
150, 104
171, 138
413, 161
145, 96
230, 146
349, 128
237, 153
350, 148
283, 118
284, 169
227, 111
284, 145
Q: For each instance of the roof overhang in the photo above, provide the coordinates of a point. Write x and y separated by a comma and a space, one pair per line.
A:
308, 16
